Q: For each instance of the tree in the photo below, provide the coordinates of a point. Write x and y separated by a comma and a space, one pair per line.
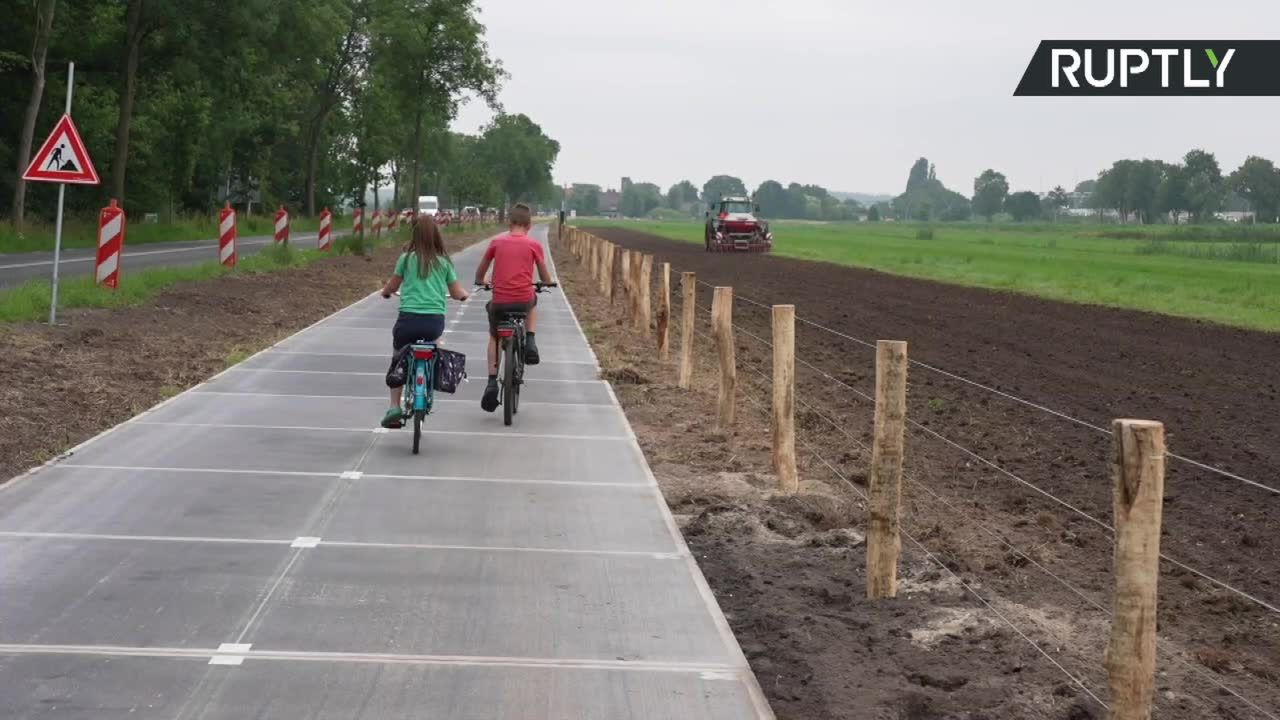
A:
585, 199
519, 155
722, 186
39, 53
989, 191
773, 199
1056, 200
873, 215
1087, 186
920, 174
1206, 190
440, 50
638, 199
1023, 206
1171, 196
927, 197
1143, 187
681, 195
1258, 181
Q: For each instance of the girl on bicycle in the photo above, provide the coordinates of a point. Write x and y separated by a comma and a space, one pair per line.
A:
426, 279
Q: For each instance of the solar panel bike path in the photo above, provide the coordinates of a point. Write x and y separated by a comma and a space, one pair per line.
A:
257, 547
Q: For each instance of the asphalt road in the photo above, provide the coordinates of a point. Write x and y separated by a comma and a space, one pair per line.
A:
257, 547
18, 268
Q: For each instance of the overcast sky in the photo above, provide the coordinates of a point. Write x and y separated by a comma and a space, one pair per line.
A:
848, 93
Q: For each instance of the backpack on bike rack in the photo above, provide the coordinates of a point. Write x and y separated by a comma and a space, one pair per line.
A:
451, 370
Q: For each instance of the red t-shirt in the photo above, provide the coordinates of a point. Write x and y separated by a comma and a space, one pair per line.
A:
514, 258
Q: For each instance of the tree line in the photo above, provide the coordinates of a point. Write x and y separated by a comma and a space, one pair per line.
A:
184, 103
1145, 191
641, 199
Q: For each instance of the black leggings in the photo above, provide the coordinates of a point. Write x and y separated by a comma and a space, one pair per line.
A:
411, 327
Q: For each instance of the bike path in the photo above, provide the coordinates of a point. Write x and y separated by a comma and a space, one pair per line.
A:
257, 547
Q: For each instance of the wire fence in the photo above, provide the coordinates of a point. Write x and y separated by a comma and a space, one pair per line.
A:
969, 518
1011, 397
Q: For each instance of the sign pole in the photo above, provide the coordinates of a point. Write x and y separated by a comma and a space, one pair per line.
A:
62, 195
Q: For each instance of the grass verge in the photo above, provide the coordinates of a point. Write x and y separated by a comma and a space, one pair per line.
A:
79, 232
1174, 271
29, 302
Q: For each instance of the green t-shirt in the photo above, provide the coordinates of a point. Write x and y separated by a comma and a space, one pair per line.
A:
427, 295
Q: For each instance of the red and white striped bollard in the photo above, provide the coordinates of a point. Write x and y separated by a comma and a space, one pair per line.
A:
325, 240
357, 223
227, 236
282, 226
111, 226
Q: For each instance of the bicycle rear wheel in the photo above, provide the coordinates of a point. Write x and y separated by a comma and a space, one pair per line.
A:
509, 391
417, 431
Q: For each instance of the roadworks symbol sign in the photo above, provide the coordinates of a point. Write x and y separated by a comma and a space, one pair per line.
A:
62, 158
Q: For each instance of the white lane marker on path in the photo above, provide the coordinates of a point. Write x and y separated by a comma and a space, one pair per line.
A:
231, 654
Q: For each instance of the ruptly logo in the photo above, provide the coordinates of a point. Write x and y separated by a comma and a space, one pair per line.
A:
1127, 67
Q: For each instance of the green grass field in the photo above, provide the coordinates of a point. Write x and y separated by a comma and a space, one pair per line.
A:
81, 232
1225, 275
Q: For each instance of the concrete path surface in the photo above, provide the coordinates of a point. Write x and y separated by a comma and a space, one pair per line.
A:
257, 548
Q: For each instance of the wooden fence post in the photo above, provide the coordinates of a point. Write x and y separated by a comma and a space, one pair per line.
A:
664, 312
606, 271
614, 261
626, 275
1138, 468
689, 315
784, 398
645, 301
602, 268
884, 542
722, 322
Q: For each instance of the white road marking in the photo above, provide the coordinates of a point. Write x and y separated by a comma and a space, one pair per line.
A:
230, 654
306, 542
425, 431
294, 473
211, 248
384, 658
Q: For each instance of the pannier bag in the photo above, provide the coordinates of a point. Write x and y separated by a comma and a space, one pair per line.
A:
451, 370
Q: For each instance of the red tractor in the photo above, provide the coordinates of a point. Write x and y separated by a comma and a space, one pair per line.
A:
732, 226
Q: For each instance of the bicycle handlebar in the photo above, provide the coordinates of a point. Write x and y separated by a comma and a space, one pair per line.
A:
538, 286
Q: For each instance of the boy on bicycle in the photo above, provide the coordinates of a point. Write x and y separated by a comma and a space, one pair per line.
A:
513, 255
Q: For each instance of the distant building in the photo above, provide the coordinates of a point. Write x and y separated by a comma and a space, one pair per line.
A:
1235, 216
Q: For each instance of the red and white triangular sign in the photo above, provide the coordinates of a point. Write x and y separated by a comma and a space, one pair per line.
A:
62, 158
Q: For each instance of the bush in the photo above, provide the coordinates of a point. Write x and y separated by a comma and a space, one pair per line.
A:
924, 234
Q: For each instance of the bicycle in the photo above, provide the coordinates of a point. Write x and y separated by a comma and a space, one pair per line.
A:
419, 390
511, 347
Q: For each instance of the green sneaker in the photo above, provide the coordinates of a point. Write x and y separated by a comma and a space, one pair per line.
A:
394, 419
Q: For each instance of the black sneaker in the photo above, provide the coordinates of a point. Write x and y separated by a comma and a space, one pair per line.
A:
489, 402
531, 356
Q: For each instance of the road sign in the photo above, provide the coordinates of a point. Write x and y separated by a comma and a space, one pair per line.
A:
63, 158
